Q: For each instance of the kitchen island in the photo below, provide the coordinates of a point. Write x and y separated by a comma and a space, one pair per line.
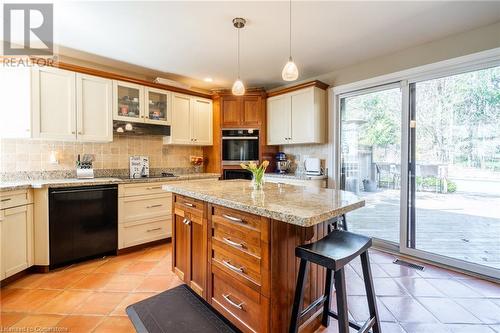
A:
235, 246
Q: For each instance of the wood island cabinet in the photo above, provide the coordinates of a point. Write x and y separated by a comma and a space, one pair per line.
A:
190, 239
244, 265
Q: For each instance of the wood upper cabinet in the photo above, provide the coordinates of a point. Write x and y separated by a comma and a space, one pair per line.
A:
190, 239
242, 111
297, 117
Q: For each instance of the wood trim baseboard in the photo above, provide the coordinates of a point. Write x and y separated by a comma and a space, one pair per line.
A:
315, 83
142, 246
115, 76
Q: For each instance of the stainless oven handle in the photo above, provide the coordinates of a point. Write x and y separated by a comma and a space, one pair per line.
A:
240, 137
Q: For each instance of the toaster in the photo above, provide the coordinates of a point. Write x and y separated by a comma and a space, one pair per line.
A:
312, 166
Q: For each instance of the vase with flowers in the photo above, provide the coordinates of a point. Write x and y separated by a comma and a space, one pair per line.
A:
197, 163
257, 173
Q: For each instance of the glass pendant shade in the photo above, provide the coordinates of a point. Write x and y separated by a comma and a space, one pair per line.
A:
290, 71
238, 88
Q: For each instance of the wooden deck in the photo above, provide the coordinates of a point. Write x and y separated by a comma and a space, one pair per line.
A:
464, 226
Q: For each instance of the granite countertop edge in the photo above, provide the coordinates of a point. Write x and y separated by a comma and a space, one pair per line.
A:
295, 176
37, 184
261, 211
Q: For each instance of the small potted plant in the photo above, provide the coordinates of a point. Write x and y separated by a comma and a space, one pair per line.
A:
197, 163
257, 173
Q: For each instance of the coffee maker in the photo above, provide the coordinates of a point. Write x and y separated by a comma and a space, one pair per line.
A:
282, 163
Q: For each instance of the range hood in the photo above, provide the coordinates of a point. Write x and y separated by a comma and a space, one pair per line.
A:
139, 129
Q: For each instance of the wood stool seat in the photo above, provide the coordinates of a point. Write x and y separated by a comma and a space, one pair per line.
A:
333, 252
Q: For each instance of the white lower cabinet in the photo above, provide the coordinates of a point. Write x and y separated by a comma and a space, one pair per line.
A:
16, 235
144, 214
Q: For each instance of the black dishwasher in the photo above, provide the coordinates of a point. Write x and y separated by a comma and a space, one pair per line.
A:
83, 223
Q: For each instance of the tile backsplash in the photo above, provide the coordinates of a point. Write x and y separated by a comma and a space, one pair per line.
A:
34, 155
296, 153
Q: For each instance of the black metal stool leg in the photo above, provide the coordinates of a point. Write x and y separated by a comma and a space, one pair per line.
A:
344, 223
328, 291
340, 290
370, 292
299, 293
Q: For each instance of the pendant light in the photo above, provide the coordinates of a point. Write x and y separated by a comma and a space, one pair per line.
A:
238, 86
290, 71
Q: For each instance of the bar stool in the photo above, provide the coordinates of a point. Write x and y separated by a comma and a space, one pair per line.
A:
333, 252
340, 223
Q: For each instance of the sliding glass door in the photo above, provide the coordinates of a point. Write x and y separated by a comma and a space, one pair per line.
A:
370, 154
455, 167
424, 153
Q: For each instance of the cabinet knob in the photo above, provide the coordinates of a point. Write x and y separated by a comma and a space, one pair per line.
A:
72, 132
79, 132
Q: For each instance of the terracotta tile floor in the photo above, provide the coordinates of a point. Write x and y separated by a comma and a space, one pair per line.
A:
92, 296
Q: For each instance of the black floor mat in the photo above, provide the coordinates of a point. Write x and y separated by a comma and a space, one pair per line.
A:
177, 310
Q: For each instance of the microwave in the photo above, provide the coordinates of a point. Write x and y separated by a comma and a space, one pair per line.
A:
240, 146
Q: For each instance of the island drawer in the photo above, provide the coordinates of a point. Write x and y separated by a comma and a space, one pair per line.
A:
243, 306
190, 205
239, 265
238, 221
248, 242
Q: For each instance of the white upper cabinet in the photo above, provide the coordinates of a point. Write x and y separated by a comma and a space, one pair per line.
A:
297, 117
180, 132
201, 119
94, 102
278, 118
70, 106
158, 106
191, 121
53, 104
15, 113
128, 102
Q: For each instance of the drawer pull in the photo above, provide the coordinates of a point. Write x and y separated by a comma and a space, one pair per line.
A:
188, 204
186, 221
236, 305
232, 218
230, 242
153, 188
155, 229
7, 199
234, 268
154, 206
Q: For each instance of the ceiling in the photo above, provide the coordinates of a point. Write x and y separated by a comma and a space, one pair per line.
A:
197, 40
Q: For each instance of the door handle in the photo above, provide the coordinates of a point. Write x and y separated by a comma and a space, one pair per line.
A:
155, 229
232, 267
188, 204
154, 206
231, 218
186, 221
153, 188
236, 305
230, 242
6, 199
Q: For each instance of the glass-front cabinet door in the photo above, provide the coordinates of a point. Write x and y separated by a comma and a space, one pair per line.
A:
129, 102
157, 109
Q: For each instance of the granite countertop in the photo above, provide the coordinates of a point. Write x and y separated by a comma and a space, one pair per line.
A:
68, 182
299, 205
294, 176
